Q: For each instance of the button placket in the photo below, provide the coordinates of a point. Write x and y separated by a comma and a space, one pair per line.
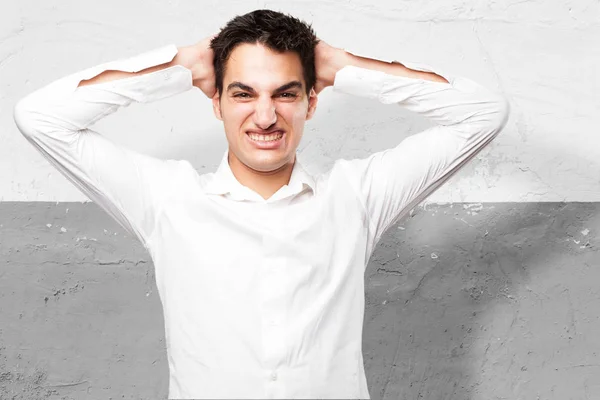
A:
274, 341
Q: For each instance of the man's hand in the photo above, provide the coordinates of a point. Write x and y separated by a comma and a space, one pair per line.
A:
198, 58
328, 61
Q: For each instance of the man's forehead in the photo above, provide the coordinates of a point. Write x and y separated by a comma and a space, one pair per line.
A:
257, 66
253, 51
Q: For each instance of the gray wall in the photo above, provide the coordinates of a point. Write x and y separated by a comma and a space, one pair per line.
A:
488, 302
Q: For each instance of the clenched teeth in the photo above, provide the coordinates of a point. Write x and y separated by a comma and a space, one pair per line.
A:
266, 138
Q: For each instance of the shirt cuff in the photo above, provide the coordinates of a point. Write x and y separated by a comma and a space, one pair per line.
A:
370, 83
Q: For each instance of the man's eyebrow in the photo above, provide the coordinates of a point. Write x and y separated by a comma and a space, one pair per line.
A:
287, 86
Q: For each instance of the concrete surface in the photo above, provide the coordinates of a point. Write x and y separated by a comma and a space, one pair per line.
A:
464, 302
489, 292
544, 56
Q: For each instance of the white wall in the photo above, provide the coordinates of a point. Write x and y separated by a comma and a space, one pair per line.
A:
543, 55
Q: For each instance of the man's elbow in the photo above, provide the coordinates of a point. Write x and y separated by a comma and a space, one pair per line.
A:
23, 115
502, 112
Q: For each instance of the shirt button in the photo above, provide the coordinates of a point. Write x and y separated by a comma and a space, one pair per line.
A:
273, 376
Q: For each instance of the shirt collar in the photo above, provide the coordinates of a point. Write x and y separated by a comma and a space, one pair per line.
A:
224, 182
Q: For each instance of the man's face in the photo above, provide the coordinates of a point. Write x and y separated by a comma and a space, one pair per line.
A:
263, 91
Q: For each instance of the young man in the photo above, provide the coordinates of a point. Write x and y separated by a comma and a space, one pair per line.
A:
260, 266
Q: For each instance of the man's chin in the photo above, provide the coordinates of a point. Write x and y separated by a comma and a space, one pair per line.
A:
267, 165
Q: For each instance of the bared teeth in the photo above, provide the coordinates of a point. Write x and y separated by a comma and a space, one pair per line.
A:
266, 138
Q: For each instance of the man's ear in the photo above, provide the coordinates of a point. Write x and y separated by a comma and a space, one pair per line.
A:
312, 103
216, 101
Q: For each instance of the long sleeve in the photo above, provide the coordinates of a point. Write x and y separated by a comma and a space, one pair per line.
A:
55, 119
391, 182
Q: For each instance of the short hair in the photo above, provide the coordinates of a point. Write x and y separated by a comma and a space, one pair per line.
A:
276, 31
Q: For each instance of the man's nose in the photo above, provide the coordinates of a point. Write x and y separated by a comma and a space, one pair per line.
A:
265, 115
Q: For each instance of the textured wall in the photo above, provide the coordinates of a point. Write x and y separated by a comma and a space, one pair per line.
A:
463, 302
494, 296
544, 56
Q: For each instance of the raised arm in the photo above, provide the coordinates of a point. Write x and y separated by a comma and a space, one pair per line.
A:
468, 117
198, 58
56, 118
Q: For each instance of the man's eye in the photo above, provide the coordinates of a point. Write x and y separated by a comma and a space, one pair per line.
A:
287, 95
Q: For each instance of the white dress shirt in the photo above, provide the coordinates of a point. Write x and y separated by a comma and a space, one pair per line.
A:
261, 298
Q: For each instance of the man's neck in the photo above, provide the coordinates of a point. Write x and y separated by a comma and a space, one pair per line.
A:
265, 184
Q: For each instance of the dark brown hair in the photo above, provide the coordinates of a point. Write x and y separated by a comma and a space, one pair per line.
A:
276, 31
